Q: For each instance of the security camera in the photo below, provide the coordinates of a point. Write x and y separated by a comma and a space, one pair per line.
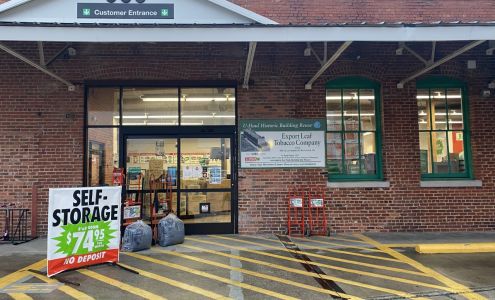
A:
71, 51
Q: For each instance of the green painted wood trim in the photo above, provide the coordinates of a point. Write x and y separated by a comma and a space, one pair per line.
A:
432, 82
359, 82
436, 81
352, 82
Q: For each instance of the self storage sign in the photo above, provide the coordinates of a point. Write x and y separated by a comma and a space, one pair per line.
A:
83, 227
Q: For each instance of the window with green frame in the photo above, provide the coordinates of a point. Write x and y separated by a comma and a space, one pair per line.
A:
353, 129
444, 139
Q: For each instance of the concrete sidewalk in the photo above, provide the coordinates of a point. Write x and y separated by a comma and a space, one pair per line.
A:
395, 239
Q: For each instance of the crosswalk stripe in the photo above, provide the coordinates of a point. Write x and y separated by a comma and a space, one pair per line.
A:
375, 266
346, 246
335, 250
338, 238
211, 276
123, 286
456, 287
19, 296
178, 284
65, 288
354, 271
257, 274
20, 274
336, 279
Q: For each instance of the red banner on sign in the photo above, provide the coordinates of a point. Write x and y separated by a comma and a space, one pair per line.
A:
56, 266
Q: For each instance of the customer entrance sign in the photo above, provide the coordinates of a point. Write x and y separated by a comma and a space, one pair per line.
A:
83, 227
124, 11
282, 143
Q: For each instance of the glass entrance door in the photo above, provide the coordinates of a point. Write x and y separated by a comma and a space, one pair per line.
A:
189, 176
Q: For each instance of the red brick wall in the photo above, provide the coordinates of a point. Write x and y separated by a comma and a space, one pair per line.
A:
357, 11
404, 206
41, 144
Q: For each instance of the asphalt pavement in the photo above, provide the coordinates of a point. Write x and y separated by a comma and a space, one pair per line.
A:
345, 266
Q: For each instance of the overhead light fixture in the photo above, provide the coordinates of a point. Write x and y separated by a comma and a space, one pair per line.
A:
212, 116
192, 99
450, 122
163, 117
158, 98
439, 97
133, 124
192, 124
209, 116
162, 124
145, 116
350, 97
351, 115
453, 113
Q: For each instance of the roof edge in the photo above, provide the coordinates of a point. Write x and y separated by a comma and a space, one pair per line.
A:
11, 4
222, 3
243, 12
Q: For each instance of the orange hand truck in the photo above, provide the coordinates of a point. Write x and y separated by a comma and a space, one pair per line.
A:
295, 215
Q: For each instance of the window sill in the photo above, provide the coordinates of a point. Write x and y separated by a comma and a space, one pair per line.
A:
358, 184
451, 183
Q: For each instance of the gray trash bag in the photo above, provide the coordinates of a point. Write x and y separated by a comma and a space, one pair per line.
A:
137, 237
170, 231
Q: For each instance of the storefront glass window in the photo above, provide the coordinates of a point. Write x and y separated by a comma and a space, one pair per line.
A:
112, 108
103, 155
353, 149
207, 106
205, 163
150, 107
443, 137
103, 106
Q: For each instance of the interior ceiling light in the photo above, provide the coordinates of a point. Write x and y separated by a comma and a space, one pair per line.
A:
184, 117
441, 122
192, 124
147, 117
160, 98
206, 99
350, 97
440, 97
351, 115
450, 122
453, 113
208, 116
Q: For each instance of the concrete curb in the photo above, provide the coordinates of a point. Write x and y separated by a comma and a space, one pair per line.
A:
455, 248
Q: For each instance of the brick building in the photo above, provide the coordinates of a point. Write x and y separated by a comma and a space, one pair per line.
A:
405, 88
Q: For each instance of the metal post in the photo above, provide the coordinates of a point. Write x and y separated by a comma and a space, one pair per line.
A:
34, 211
325, 66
